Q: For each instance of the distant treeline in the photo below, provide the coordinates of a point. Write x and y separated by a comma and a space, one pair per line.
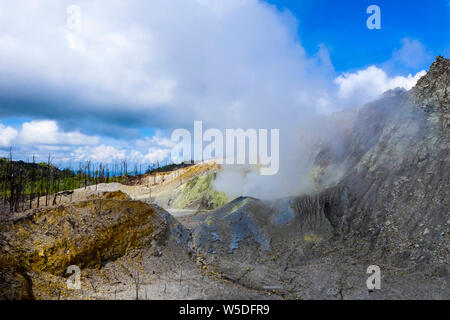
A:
23, 184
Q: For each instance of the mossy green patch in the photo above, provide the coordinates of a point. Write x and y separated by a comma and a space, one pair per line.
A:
199, 193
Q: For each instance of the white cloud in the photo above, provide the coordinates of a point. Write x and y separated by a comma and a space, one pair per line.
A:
108, 154
156, 155
189, 59
157, 140
228, 63
221, 7
368, 84
7, 136
102, 153
47, 132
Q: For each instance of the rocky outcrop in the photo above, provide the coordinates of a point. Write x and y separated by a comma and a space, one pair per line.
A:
248, 223
14, 282
398, 166
85, 234
125, 249
432, 91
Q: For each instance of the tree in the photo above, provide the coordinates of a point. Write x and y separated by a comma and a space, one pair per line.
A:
49, 163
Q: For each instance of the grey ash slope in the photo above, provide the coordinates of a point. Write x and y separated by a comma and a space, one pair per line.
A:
389, 206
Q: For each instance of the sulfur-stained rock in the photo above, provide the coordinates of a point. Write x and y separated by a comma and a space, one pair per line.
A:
83, 233
14, 282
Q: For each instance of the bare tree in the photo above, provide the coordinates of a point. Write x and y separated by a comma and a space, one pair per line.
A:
33, 181
88, 173
49, 162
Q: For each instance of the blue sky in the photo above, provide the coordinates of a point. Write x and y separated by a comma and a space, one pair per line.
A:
116, 83
341, 26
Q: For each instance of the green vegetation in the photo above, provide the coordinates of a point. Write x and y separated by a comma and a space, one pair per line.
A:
22, 184
166, 168
199, 192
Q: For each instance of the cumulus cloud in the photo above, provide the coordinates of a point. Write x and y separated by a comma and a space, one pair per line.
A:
156, 155
47, 132
157, 140
109, 154
7, 135
102, 153
157, 149
229, 63
181, 61
368, 84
